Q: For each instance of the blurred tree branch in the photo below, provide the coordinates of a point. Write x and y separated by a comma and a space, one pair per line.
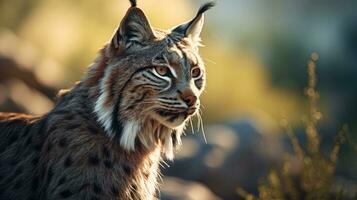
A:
10, 70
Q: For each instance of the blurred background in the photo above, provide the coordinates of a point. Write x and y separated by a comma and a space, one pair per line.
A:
256, 55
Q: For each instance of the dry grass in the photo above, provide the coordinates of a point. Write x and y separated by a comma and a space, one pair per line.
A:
314, 179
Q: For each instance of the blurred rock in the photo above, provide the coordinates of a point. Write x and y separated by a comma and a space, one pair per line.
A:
178, 189
236, 155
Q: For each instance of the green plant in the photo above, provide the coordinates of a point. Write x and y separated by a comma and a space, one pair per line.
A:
314, 179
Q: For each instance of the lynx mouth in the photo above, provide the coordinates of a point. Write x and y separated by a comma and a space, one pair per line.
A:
170, 113
171, 118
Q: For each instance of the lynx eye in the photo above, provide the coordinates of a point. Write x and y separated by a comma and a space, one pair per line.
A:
162, 70
196, 72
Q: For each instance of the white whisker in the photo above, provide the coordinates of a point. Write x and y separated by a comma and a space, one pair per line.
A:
167, 165
192, 129
201, 124
198, 122
209, 60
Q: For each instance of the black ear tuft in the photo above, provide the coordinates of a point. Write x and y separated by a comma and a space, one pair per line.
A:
133, 3
193, 28
205, 7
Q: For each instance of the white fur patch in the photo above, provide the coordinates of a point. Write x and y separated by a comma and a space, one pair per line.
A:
169, 147
179, 132
104, 112
130, 131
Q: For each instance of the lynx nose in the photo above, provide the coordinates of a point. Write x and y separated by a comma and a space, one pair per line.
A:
188, 97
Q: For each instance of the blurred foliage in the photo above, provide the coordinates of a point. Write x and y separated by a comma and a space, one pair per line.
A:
314, 181
63, 37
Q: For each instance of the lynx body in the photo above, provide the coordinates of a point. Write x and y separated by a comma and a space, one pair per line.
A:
105, 138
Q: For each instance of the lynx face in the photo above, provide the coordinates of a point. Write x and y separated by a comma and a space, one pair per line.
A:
169, 84
180, 98
149, 77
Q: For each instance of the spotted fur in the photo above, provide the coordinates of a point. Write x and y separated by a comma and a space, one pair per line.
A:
105, 137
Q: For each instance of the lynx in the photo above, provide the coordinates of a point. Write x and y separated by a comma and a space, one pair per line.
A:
106, 137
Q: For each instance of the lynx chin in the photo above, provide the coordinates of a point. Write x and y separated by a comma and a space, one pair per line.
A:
106, 137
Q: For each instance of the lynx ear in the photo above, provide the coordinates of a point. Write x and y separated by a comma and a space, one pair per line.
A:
193, 28
134, 28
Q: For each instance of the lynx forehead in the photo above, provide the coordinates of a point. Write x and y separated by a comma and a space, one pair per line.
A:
106, 136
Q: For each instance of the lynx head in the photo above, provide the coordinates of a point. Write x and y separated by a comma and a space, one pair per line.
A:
150, 80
